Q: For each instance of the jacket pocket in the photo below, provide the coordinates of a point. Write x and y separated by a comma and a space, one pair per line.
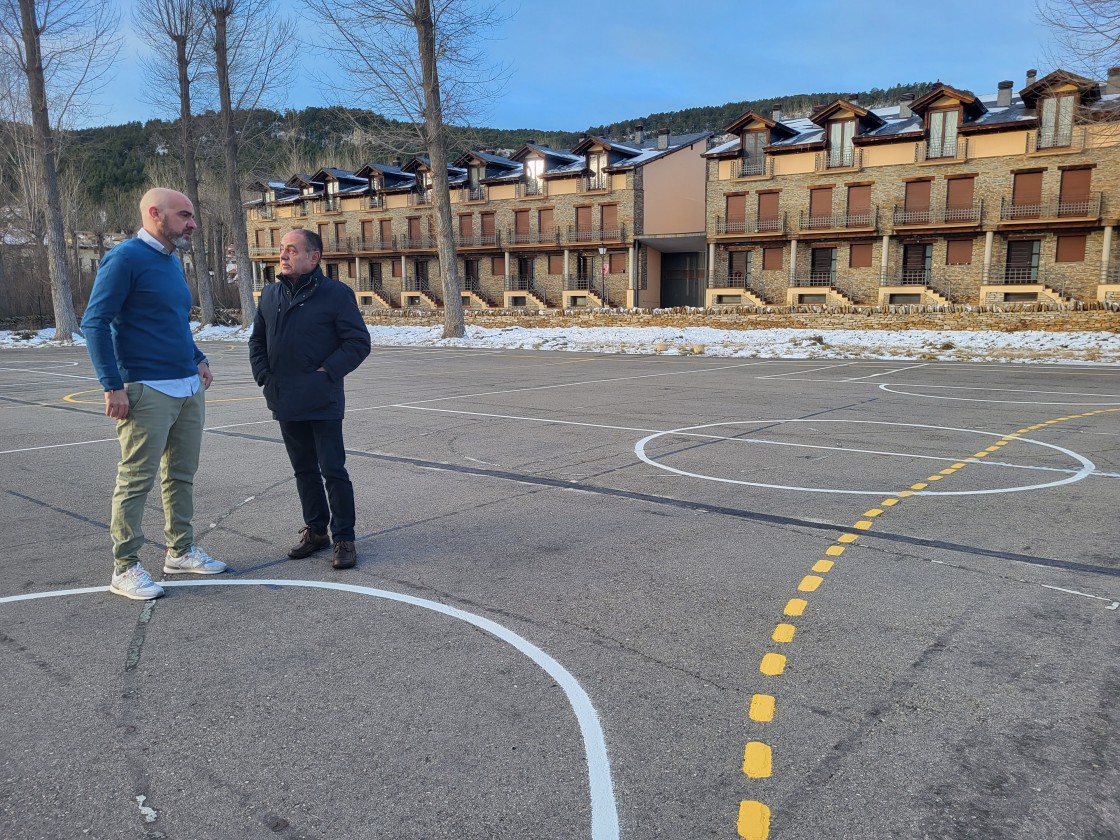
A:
310, 393
271, 393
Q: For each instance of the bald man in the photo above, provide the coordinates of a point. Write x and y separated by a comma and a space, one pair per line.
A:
137, 330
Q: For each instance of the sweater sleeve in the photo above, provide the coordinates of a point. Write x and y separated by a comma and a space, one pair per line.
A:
109, 292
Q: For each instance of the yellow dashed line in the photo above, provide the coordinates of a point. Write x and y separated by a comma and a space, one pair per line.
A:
757, 758
889, 502
834, 550
980, 455
809, 583
918, 486
772, 664
863, 524
795, 606
949, 470
960, 466
784, 633
872, 513
933, 478
847, 538
822, 566
754, 820
762, 708
902, 494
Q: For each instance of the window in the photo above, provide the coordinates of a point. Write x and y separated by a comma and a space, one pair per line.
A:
1055, 122
1071, 249
735, 206
822, 266
488, 237
1022, 261
738, 268
545, 223
396, 268
340, 232
769, 218
617, 263
331, 270
608, 220
859, 255
959, 199
583, 220
916, 263
943, 134
840, 134
386, 231
258, 237
274, 237
414, 231
470, 270
772, 258
466, 227
916, 206
754, 159
367, 233
521, 225
375, 273
497, 266
1026, 195
555, 263
1073, 199
859, 205
958, 252
820, 207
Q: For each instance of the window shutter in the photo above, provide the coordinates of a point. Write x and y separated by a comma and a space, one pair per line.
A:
1071, 249
958, 251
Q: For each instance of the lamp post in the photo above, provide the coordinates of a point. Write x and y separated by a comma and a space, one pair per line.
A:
603, 269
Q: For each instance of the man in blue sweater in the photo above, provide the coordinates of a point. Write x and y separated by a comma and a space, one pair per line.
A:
137, 330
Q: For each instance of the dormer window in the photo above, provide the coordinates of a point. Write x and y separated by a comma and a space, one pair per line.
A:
476, 173
332, 187
534, 168
840, 146
270, 196
1055, 121
754, 159
943, 133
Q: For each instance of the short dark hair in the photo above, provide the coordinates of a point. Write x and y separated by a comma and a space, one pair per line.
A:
311, 239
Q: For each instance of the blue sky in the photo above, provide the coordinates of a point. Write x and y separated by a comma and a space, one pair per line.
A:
576, 63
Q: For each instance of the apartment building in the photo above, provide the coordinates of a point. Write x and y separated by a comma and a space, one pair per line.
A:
608, 223
947, 198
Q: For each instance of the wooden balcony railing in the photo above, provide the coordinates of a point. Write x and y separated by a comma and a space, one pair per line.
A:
419, 198
478, 193
594, 183
1070, 139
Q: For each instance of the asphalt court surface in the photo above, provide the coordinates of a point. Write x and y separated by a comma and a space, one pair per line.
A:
598, 596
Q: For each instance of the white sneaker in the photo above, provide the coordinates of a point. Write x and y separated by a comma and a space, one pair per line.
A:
136, 583
194, 562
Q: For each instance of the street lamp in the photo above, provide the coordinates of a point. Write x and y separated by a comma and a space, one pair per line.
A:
603, 268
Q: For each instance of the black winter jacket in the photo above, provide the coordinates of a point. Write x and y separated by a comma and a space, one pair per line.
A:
319, 326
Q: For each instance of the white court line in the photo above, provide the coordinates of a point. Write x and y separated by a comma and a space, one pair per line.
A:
885, 372
48, 373
809, 370
604, 809
1087, 466
890, 390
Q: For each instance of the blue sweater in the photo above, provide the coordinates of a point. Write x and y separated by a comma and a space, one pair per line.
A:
137, 323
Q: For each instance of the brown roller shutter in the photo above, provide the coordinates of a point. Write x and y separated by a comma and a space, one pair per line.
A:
521, 224
386, 231
768, 217
1074, 197
545, 223
917, 202
609, 219
859, 205
488, 226
820, 207
466, 227
736, 206
959, 196
958, 251
583, 219
1026, 195
1071, 248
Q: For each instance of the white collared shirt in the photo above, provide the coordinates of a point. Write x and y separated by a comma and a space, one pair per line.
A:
179, 388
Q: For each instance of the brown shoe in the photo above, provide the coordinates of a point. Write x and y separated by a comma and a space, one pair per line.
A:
309, 543
344, 555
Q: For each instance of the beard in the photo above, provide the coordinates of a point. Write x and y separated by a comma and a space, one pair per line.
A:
181, 243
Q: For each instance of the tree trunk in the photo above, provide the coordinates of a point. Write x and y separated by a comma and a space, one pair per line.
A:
453, 326
190, 173
233, 176
62, 296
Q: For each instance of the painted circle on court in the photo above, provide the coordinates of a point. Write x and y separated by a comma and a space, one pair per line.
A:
895, 389
1086, 468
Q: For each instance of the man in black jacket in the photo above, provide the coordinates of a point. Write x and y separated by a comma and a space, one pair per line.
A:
308, 334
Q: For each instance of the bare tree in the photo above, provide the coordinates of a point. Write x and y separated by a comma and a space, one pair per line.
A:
248, 68
183, 54
420, 61
1087, 33
62, 48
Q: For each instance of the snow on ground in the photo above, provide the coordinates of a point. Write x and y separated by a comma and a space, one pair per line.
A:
901, 345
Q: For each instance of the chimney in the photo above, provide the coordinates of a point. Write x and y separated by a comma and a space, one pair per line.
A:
776, 112
1031, 75
904, 103
639, 133
1113, 83
818, 108
853, 98
1003, 98
662, 138
396, 162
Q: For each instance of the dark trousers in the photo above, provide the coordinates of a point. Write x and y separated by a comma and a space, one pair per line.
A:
318, 458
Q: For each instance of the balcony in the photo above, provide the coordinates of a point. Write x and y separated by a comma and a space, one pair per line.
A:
373, 245
520, 283
299, 210
929, 151
420, 243
617, 234
532, 187
370, 283
478, 240
414, 283
910, 277
326, 206
866, 220
536, 237
962, 216
814, 279
470, 284
420, 198
595, 183
374, 202
336, 246
479, 193
1052, 210
732, 280
264, 251
262, 214
752, 167
839, 159
752, 226
579, 283
1068, 139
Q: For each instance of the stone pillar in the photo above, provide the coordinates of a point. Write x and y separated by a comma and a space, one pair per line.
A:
1106, 253
792, 260
883, 259
989, 237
